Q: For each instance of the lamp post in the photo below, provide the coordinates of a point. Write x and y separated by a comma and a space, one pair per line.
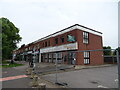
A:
33, 58
118, 62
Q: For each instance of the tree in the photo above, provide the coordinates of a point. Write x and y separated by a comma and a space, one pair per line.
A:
118, 50
10, 38
108, 52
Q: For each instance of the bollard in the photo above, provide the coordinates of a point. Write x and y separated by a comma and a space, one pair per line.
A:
35, 81
29, 71
42, 86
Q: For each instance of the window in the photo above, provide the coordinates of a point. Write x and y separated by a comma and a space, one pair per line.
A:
87, 57
29, 48
56, 40
62, 39
45, 44
85, 37
48, 43
34, 48
38, 45
26, 49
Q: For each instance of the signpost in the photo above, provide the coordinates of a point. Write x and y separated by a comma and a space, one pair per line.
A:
56, 81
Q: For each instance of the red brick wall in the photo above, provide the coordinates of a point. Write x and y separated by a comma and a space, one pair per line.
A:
95, 42
52, 40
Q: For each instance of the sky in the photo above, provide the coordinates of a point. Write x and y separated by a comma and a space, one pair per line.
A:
39, 18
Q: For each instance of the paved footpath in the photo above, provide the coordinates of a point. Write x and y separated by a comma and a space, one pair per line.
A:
15, 77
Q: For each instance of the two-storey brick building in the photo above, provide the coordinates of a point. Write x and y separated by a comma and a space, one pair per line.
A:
64, 43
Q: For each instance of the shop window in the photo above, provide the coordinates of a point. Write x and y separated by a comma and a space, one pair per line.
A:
87, 57
85, 37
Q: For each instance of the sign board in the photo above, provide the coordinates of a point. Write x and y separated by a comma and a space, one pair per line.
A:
71, 38
71, 46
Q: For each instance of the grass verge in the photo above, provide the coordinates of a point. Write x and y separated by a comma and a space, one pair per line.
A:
7, 64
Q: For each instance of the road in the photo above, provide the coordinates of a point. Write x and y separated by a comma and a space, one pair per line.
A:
103, 77
15, 77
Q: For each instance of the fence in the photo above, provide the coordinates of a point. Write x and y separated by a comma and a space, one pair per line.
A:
88, 56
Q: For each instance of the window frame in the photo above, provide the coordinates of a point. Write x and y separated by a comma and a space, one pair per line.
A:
86, 37
86, 57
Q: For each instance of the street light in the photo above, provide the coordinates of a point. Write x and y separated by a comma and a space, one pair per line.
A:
118, 62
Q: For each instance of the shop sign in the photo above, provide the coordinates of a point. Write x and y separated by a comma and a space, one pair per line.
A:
71, 46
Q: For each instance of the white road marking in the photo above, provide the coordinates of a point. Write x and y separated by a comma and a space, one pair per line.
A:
116, 80
101, 86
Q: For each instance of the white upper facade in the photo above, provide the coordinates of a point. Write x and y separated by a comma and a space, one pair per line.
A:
76, 26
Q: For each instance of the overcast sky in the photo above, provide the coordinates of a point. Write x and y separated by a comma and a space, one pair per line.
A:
39, 18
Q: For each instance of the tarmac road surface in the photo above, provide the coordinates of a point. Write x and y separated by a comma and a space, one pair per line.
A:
15, 77
102, 77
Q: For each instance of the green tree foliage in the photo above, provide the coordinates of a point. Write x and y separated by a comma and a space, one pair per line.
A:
107, 52
118, 50
10, 38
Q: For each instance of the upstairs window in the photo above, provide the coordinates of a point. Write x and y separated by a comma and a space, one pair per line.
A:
48, 43
62, 39
56, 40
86, 57
85, 37
45, 44
26, 49
29, 48
34, 48
38, 45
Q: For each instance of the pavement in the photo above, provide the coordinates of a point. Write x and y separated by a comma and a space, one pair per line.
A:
15, 77
47, 68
